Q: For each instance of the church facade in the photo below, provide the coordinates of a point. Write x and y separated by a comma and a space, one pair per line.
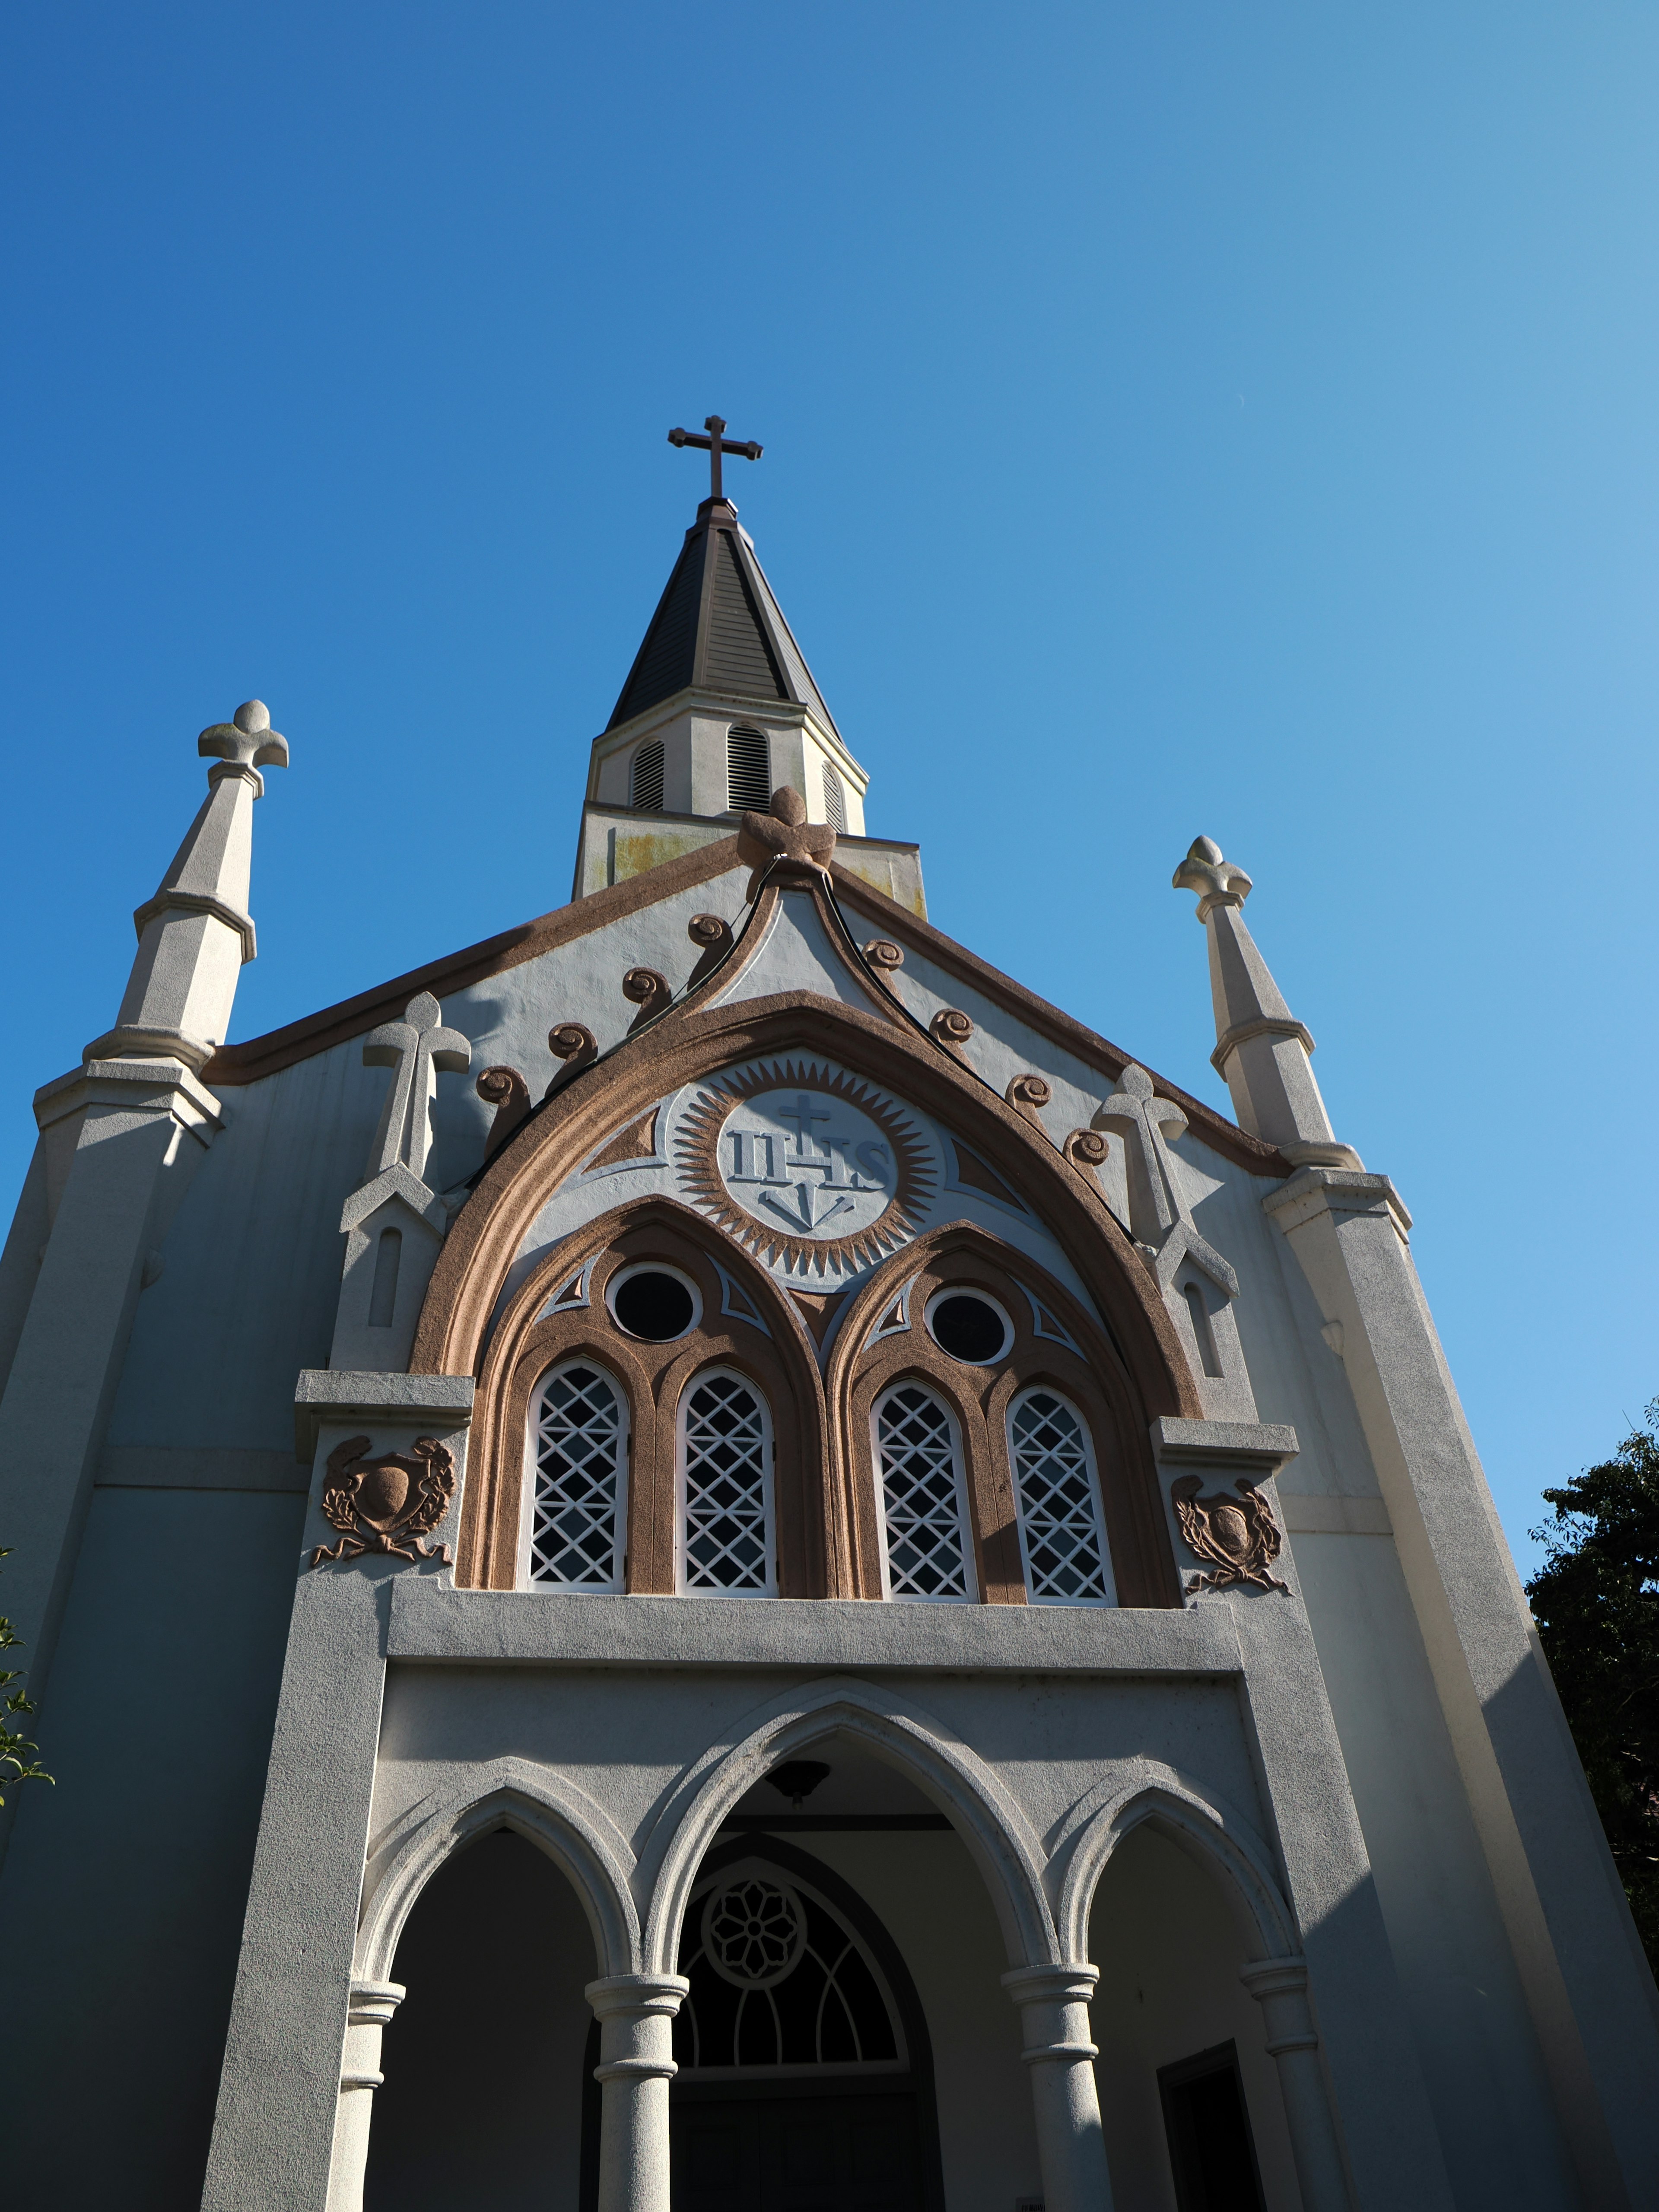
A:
705, 1557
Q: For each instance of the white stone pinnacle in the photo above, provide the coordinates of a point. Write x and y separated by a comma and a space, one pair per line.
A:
196, 932
1261, 1049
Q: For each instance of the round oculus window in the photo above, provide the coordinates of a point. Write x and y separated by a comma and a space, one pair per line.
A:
969, 1326
653, 1303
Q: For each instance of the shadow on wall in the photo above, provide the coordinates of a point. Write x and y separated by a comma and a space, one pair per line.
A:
483, 2059
1169, 1954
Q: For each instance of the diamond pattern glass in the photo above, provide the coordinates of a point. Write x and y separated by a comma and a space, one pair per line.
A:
1065, 1556
916, 1447
726, 1438
578, 1437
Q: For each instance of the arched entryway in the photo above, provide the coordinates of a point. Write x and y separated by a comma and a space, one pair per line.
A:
481, 2102
805, 2080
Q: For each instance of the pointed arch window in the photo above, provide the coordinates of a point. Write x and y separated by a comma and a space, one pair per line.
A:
779, 1983
645, 778
727, 1545
748, 769
1062, 1534
578, 1486
927, 1552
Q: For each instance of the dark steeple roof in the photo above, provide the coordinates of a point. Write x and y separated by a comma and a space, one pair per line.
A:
718, 628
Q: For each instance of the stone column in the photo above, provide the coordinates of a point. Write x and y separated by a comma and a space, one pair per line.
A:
1279, 1986
372, 2005
1054, 2010
635, 2013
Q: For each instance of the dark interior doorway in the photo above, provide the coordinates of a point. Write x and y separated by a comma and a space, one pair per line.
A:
807, 2080
1212, 2152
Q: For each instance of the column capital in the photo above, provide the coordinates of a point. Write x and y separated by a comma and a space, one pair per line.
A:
636, 1997
1070, 1982
1053, 2000
371, 2004
1279, 1986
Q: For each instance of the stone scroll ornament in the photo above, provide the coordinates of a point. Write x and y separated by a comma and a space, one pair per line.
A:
1238, 1536
387, 1505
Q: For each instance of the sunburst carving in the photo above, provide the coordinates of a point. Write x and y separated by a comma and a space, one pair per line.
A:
696, 1146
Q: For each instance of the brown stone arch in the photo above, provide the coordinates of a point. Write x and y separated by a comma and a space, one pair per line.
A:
521, 1347
1099, 1382
696, 1041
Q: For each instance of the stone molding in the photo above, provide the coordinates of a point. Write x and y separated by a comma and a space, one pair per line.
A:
431, 1623
162, 1086
327, 1393
201, 903
1318, 1189
1253, 1447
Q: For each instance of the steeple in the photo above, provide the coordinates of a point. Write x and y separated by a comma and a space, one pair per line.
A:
1261, 1049
719, 628
720, 708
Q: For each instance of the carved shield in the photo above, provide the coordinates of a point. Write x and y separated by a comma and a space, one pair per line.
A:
382, 1493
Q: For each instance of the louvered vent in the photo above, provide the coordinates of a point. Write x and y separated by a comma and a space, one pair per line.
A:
834, 800
645, 784
748, 769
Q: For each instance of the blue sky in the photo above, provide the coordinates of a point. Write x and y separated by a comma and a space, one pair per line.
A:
1177, 418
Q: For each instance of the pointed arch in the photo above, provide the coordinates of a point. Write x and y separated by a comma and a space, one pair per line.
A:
696, 1038
526, 1338
874, 1344
1200, 1821
999, 1836
537, 1804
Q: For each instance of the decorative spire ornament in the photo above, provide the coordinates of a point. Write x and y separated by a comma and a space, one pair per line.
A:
1261, 1049
196, 932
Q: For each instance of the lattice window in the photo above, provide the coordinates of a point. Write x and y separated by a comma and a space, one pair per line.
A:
922, 1506
645, 780
835, 799
1062, 1534
726, 1539
776, 1981
579, 1449
748, 769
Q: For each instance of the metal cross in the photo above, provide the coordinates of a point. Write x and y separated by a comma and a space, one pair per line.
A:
714, 445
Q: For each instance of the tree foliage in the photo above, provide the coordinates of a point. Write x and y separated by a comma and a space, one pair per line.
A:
15, 1762
1595, 1600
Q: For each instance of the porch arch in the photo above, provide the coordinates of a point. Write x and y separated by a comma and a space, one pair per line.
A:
559, 1818
999, 1836
1202, 1824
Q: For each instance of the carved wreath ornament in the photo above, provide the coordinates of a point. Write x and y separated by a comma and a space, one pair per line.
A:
387, 1505
1238, 1536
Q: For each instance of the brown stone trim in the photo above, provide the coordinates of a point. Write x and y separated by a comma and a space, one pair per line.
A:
1085, 1044
314, 1033
523, 1347
1098, 1383
690, 1042
638, 1141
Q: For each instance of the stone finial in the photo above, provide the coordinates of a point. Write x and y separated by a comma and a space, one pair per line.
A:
417, 1047
196, 932
1262, 1052
784, 836
246, 742
1217, 882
